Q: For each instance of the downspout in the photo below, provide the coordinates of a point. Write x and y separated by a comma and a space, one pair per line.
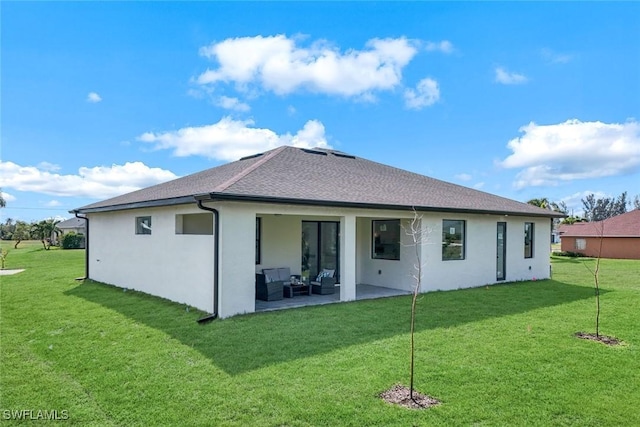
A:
86, 244
216, 247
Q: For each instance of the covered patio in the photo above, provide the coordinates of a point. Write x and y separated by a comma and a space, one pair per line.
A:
362, 292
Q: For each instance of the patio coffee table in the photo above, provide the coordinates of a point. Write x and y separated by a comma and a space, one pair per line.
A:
292, 290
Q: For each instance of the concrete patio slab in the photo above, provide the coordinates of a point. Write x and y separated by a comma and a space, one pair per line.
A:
362, 292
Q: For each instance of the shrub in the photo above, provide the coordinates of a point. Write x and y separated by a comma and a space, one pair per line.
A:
72, 240
569, 254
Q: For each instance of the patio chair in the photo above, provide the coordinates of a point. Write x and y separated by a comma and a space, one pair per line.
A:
272, 291
325, 283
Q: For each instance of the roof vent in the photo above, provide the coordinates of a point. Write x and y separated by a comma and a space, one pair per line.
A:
253, 156
308, 150
344, 155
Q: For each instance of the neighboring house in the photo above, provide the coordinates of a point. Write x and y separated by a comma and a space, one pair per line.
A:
75, 225
620, 237
201, 238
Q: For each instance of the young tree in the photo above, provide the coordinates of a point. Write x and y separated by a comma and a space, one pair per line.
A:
596, 273
418, 234
600, 228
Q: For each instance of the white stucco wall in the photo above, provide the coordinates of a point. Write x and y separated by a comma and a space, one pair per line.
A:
395, 274
281, 245
479, 266
178, 267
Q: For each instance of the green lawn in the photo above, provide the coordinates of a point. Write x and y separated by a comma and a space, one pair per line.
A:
505, 355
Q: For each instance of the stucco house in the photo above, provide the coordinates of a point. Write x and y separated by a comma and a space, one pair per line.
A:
75, 225
71, 225
620, 237
200, 239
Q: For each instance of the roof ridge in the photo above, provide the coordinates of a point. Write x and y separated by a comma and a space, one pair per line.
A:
228, 183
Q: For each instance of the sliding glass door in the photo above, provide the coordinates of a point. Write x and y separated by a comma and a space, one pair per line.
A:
320, 247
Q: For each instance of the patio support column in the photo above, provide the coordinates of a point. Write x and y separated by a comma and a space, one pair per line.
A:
348, 258
236, 287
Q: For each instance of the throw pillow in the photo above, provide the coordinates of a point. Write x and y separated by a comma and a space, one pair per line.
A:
324, 273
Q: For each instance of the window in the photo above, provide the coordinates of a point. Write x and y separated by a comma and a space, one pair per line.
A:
385, 239
258, 230
453, 239
143, 225
581, 244
528, 240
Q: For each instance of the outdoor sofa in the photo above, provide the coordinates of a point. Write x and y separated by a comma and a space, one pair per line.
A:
270, 283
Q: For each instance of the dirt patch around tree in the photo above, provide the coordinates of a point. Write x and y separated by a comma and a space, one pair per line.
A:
400, 395
604, 339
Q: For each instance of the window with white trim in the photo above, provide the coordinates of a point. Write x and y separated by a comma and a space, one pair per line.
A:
581, 244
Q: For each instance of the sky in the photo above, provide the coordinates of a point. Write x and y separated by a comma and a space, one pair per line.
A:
520, 99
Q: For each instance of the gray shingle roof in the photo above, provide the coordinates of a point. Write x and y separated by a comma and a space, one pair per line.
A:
320, 177
71, 223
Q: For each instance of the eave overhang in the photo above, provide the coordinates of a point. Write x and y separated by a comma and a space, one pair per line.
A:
341, 204
185, 200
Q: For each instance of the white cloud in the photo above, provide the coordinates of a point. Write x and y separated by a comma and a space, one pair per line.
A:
93, 97
291, 110
444, 46
49, 167
555, 57
508, 78
231, 139
426, 93
277, 64
574, 150
232, 104
52, 203
478, 185
8, 197
98, 182
463, 177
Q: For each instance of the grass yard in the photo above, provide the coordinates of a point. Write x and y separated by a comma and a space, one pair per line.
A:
505, 355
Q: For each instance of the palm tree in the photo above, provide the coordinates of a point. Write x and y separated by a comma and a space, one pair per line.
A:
45, 230
544, 203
